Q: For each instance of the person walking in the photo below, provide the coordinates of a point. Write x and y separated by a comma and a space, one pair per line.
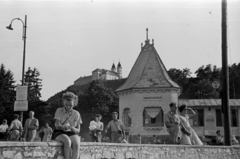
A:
47, 132
117, 129
30, 128
15, 129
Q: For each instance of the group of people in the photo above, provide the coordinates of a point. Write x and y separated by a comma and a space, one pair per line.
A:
116, 127
16, 131
178, 126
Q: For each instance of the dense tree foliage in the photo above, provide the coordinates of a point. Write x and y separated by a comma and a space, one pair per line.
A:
7, 93
35, 103
33, 82
181, 77
234, 81
200, 87
98, 99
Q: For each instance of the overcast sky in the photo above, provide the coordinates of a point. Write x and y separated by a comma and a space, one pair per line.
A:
68, 39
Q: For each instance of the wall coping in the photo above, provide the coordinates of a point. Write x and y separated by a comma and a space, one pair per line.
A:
59, 144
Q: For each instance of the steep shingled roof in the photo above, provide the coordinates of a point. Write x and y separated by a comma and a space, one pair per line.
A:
148, 71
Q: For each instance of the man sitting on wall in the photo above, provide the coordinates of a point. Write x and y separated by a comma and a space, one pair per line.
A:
220, 139
173, 123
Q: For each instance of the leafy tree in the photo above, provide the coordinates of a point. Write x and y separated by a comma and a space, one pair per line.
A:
181, 77
202, 89
41, 108
7, 92
34, 84
198, 87
234, 81
98, 99
208, 72
201, 86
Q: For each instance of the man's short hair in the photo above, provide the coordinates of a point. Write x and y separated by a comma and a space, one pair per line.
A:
16, 116
31, 112
172, 104
98, 115
114, 113
218, 131
47, 122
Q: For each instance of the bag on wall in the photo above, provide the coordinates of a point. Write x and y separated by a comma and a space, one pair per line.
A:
119, 131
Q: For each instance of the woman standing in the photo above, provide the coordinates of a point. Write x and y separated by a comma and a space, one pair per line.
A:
47, 131
67, 123
96, 128
194, 139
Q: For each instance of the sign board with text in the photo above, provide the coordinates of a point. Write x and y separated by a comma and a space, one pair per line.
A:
152, 97
21, 105
21, 93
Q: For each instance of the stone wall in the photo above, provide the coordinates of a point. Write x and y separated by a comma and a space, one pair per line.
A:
53, 150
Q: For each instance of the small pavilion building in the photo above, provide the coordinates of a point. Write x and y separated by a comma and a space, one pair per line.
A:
145, 96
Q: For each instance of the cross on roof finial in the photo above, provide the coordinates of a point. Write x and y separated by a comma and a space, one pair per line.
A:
147, 33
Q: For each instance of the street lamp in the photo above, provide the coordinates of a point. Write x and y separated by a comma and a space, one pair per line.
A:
24, 49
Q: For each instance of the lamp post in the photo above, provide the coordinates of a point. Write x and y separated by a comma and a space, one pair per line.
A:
24, 49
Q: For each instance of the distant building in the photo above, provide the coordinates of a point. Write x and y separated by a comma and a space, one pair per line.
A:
103, 74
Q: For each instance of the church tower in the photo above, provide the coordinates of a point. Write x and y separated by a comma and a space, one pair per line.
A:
119, 70
113, 68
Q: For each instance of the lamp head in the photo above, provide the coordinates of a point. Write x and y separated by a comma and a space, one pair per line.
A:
9, 27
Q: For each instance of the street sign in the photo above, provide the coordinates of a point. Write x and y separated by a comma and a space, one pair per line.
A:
21, 105
21, 93
215, 84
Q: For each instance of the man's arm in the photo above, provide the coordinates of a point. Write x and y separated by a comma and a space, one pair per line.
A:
25, 130
123, 128
167, 121
108, 127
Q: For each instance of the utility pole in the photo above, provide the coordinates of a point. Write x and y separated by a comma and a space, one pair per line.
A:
225, 77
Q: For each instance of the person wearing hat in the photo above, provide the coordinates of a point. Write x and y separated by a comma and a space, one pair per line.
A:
117, 129
67, 124
96, 128
173, 123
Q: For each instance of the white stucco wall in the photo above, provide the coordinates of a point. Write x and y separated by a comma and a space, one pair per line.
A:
137, 100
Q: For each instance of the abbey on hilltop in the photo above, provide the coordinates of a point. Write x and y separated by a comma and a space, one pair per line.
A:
103, 74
